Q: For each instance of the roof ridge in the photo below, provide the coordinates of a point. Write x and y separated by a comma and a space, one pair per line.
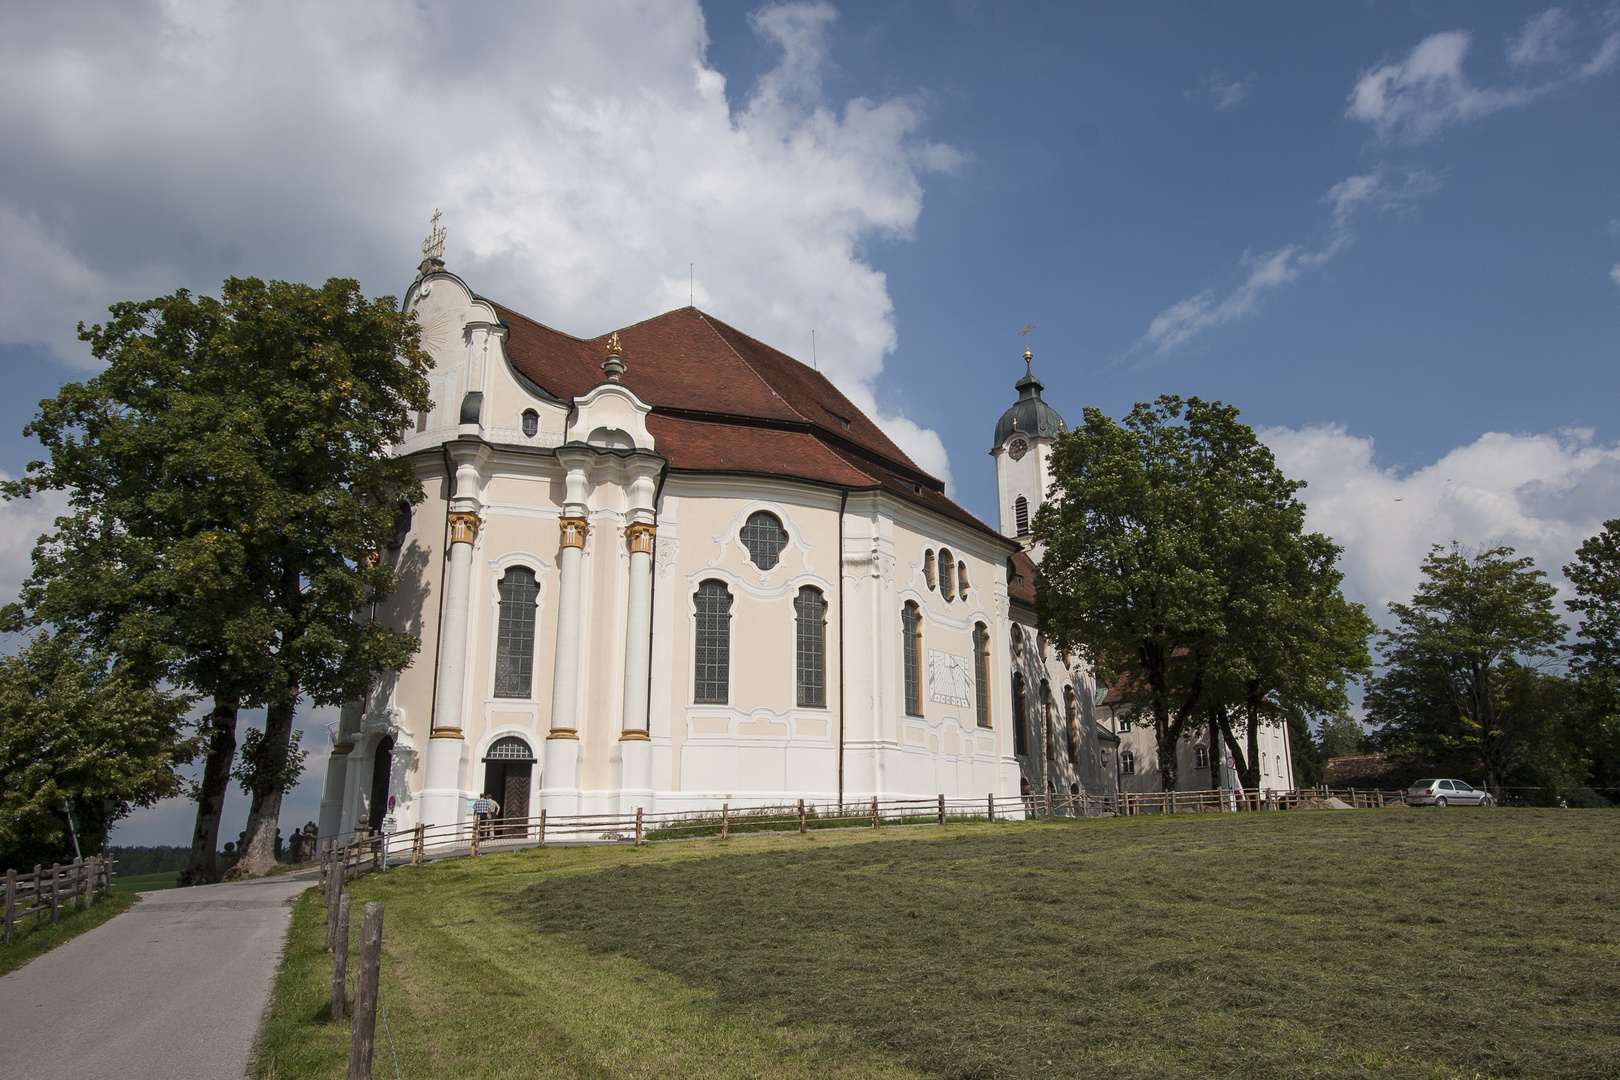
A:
757, 374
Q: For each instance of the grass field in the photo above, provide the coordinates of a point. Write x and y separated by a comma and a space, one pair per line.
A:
69, 924
168, 879
1306, 944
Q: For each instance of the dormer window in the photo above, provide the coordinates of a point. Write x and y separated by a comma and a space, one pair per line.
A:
531, 423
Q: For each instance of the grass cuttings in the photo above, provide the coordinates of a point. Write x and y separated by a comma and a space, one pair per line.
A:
31, 941
1429, 944
470, 990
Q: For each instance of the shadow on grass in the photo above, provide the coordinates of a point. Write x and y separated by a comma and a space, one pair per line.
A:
1376, 943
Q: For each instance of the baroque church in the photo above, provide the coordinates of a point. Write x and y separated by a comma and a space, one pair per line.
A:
672, 567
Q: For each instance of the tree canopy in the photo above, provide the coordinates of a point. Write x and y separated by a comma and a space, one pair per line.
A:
231, 483
1176, 559
1457, 661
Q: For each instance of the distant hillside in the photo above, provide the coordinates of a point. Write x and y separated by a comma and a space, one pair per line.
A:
150, 860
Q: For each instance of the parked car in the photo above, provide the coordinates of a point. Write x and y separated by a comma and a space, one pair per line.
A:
1447, 793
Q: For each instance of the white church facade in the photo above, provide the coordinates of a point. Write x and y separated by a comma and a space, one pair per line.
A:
672, 567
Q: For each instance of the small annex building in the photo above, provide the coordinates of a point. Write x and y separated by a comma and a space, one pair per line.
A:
671, 567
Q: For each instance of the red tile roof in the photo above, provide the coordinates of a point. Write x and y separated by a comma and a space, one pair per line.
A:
724, 402
1021, 578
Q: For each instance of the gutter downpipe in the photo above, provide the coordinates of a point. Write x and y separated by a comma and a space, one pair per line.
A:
843, 655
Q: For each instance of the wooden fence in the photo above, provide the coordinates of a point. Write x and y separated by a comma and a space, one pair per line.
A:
47, 891
470, 838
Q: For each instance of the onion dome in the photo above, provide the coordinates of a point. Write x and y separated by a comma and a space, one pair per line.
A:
1029, 415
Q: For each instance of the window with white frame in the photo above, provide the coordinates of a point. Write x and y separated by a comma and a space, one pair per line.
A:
514, 636
711, 669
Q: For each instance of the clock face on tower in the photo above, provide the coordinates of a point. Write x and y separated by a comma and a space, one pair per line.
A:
1017, 449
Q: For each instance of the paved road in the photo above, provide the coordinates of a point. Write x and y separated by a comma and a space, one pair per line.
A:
173, 989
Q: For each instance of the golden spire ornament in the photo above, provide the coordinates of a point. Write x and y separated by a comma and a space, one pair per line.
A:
1029, 357
433, 246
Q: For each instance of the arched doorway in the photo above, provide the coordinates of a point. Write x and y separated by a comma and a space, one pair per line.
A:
382, 766
508, 769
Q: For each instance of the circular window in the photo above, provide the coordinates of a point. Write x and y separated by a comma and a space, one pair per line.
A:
764, 538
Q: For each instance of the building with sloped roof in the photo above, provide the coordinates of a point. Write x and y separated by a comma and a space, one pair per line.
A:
671, 567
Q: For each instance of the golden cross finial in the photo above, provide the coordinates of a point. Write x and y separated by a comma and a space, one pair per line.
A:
613, 344
1024, 333
433, 246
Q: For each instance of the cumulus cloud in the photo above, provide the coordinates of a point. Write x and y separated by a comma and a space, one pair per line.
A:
1413, 100
1541, 494
1222, 92
1384, 189
22, 522
583, 156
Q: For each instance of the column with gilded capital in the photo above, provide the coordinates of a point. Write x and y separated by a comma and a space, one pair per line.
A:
634, 742
559, 776
441, 786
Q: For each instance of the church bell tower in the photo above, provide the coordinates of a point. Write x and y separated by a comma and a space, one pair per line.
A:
1023, 448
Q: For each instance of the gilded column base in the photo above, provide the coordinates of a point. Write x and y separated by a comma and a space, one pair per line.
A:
342, 748
563, 733
445, 733
634, 735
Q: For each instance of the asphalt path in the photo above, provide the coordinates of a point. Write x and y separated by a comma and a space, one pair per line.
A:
175, 988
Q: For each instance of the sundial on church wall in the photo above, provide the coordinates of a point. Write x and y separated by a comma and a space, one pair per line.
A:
950, 678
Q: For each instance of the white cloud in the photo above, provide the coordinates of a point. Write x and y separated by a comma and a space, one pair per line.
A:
1222, 92
1382, 190
1614, 272
583, 155
1413, 100
1541, 494
22, 522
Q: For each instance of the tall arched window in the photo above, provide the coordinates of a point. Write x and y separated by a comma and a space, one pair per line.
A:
514, 636
911, 640
1021, 515
1046, 718
947, 565
1071, 726
928, 568
981, 671
811, 646
764, 537
961, 580
1020, 719
711, 669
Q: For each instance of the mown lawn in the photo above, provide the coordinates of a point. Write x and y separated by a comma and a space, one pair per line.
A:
166, 879
1427, 944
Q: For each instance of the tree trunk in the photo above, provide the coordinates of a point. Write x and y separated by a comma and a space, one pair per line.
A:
258, 853
1235, 750
216, 780
1251, 778
1215, 754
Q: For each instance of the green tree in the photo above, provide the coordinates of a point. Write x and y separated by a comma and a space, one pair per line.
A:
232, 482
1595, 654
1341, 736
79, 730
1478, 618
1176, 558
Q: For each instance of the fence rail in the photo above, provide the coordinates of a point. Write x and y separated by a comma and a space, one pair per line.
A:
470, 838
48, 890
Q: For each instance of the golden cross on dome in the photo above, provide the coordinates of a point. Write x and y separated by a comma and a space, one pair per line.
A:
1024, 333
613, 344
433, 246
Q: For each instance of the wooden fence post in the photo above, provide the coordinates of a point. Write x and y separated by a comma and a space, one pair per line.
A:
638, 826
477, 829
419, 843
942, 809
55, 875
725, 820
542, 828
1172, 802
89, 880
990, 806
340, 956
801, 818
39, 881
874, 812
365, 993
334, 890
11, 905
1047, 802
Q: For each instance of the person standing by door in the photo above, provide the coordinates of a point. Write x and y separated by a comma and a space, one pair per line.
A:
485, 808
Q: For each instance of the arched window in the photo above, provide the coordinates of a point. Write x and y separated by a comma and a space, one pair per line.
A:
1040, 643
1046, 718
1200, 757
961, 580
382, 769
1020, 719
1017, 642
1071, 726
811, 646
928, 568
981, 671
531, 423
509, 748
911, 640
764, 538
1127, 763
1021, 515
711, 673
946, 566
514, 638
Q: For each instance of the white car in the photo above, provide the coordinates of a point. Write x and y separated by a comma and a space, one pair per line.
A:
1447, 793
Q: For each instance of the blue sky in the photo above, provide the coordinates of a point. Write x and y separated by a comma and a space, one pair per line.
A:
1388, 232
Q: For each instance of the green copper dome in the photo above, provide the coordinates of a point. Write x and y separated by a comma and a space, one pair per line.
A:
1029, 415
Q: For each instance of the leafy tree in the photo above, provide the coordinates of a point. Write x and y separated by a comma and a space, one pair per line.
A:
1478, 619
1341, 736
1595, 655
231, 480
1176, 557
79, 730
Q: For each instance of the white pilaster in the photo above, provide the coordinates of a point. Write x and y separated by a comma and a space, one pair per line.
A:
634, 742
559, 775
